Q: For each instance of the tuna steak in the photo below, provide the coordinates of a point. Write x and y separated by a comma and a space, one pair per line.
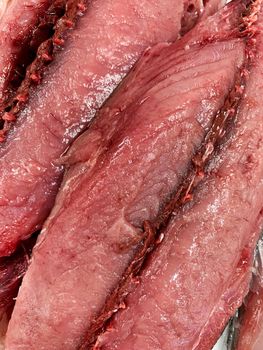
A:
93, 62
123, 170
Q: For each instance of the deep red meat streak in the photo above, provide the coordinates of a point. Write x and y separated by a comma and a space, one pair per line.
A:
42, 43
121, 173
17, 26
12, 269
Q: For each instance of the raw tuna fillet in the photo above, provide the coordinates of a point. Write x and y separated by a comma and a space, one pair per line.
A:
29, 37
123, 170
251, 328
92, 63
200, 273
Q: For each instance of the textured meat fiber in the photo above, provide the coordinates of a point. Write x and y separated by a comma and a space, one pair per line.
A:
200, 274
250, 329
96, 225
84, 74
12, 269
18, 19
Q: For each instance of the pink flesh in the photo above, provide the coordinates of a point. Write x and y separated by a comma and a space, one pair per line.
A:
212, 6
12, 269
18, 20
3, 7
95, 227
200, 273
192, 11
74, 87
199, 9
250, 330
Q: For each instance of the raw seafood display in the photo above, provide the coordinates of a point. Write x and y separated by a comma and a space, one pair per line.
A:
187, 292
151, 216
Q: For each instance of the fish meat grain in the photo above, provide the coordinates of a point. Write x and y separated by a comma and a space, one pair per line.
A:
84, 73
121, 173
197, 277
249, 328
18, 21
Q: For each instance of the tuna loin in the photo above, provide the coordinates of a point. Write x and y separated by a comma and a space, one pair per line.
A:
156, 120
200, 273
74, 87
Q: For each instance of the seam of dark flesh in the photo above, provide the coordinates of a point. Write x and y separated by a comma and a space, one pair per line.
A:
237, 319
224, 119
16, 77
12, 269
45, 54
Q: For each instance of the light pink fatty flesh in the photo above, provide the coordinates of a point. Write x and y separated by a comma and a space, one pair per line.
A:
108, 39
200, 273
212, 6
250, 328
18, 20
3, 7
122, 171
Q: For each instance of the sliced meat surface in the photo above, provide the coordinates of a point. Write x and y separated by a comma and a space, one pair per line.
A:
200, 273
123, 169
84, 74
12, 269
18, 20
250, 329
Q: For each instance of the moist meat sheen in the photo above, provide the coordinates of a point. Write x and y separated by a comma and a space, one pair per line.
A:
18, 19
96, 226
200, 273
12, 269
84, 74
250, 329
